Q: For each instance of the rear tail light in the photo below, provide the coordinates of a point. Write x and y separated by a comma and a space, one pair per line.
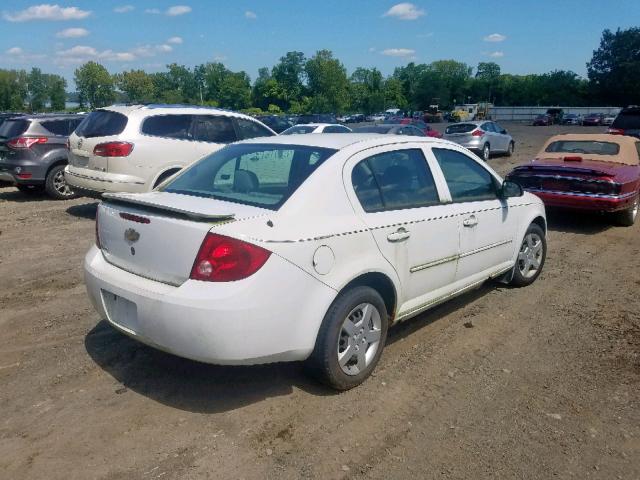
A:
225, 259
113, 149
477, 133
24, 176
574, 158
616, 131
25, 142
97, 233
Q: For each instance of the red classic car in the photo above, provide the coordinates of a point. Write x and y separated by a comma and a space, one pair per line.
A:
422, 125
589, 172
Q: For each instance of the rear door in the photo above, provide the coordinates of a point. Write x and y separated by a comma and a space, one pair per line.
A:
100, 126
487, 225
397, 197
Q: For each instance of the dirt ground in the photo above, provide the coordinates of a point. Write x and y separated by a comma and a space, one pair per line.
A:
545, 384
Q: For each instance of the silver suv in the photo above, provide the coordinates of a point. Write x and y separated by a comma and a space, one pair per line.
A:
134, 148
484, 138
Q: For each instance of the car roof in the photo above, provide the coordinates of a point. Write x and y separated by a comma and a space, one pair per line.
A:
628, 154
175, 109
46, 116
339, 141
317, 125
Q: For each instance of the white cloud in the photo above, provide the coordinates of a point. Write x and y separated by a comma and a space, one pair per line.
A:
19, 55
15, 51
250, 15
372, 49
72, 33
175, 40
398, 52
495, 37
47, 12
177, 10
124, 9
496, 54
405, 11
153, 11
219, 58
84, 53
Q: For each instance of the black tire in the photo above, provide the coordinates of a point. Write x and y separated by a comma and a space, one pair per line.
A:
627, 218
510, 149
323, 362
486, 152
56, 186
30, 189
520, 279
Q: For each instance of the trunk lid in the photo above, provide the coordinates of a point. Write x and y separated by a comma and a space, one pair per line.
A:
158, 235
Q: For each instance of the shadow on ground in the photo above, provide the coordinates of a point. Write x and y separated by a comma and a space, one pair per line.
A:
572, 221
14, 195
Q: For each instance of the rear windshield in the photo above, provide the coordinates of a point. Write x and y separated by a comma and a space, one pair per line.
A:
251, 174
461, 128
584, 147
627, 120
13, 128
102, 123
298, 129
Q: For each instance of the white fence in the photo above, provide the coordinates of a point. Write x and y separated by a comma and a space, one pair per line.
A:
527, 114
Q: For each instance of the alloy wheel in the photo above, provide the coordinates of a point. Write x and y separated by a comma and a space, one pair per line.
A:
359, 339
60, 185
530, 255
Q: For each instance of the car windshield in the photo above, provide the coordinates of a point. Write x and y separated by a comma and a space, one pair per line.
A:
13, 128
262, 175
298, 129
584, 147
460, 128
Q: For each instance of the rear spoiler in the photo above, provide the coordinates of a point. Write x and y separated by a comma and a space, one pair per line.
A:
198, 216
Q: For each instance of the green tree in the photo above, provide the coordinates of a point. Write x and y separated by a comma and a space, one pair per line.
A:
614, 68
289, 73
95, 84
327, 82
137, 85
56, 86
366, 90
37, 90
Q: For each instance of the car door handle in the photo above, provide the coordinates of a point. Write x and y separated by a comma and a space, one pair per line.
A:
399, 235
471, 221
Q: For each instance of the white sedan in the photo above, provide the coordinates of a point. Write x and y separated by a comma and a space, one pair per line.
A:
308, 247
316, 128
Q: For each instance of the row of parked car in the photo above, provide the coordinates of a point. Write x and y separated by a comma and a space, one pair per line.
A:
196, 244
591, 119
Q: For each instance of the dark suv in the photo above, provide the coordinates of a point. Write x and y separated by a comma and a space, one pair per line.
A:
627, 122
33, 152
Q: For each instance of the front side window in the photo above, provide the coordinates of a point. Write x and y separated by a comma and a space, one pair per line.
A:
251, 129
214, 129
169, 126
467, 180
261, 175
393, 181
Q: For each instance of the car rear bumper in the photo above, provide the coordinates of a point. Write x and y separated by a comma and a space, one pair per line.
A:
232, 323
35, 173
87, 180
586, 201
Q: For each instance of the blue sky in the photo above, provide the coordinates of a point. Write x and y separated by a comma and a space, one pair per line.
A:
521, 36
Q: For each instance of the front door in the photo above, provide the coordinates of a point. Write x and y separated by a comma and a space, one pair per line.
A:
397, 198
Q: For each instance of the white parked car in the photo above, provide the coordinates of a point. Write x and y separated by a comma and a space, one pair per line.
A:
316, 128
135, 148
308, 248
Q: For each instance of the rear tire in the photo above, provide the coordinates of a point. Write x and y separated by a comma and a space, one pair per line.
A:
486, 152
510, 149
350, 340
627, 218
56, 186
531, 257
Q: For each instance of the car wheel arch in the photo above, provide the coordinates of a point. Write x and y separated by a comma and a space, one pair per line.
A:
382, 284
55, 163
541, 222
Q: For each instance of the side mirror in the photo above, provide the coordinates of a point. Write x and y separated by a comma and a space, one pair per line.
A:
503, 131
510, 189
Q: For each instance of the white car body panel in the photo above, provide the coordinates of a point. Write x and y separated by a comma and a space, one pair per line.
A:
321, 239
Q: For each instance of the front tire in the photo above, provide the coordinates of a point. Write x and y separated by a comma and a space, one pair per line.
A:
486, 152
531, 257
351, 339
627, 217
510, 149
56, 186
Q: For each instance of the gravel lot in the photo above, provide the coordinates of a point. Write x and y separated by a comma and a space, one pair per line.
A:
545, 384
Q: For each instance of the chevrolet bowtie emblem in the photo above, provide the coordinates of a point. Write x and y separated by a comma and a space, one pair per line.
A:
131, 235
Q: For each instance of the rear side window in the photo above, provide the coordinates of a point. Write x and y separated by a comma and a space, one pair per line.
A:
393, 181
214, 129
169, 126
102, 123
467, 180
57, 127
13, 128
262, 175
461, 128
629, 120
336, 129
251, 129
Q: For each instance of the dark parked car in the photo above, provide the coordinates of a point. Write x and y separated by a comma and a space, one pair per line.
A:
627, 122
593, 120
33, 152
543, 120
276, 123
391, 129
556, 114
316, 118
